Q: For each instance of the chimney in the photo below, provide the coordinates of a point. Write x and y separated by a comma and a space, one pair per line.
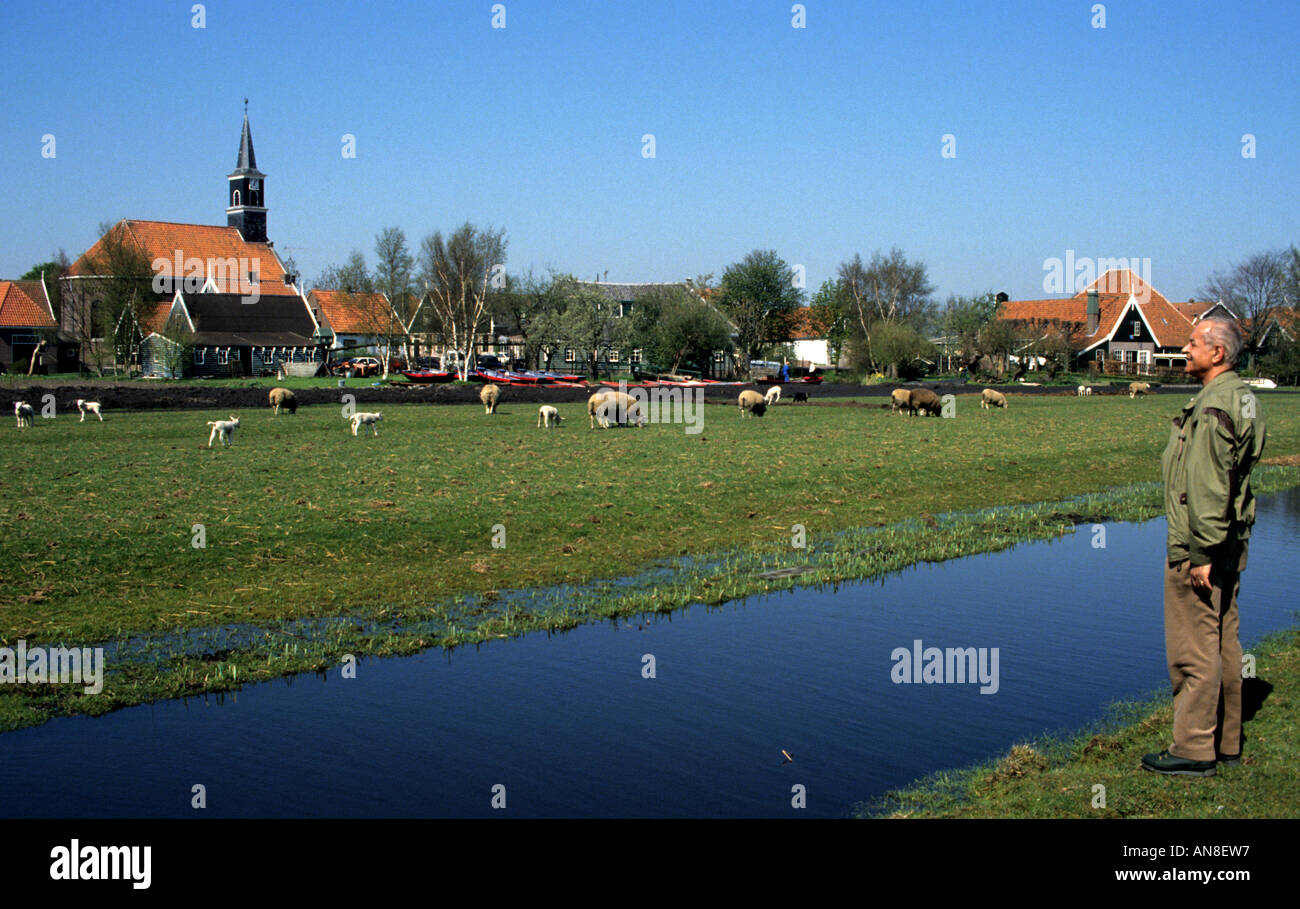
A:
1002, 297
1094, 312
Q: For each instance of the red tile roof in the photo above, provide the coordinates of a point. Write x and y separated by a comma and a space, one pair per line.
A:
161, 242
347, 313
21, 307
1169, 322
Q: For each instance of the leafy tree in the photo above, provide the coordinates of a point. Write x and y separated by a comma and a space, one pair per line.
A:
961, 321
583, 318
998, 339
458, 273
678, 328
898, 348
1282, 362
831, 316
760, 297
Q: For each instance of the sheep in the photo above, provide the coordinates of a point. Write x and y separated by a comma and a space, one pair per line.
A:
223, 429
1138, 388
366, 419
1084, 391
24, 413
801, 397
898, 400
773, 396
548, 416
593, 405
283, 397
990, 398
489, 396
925, 400
752, 404
88, 407
622, 407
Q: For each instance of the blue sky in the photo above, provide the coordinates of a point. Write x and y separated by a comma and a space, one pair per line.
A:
816, 142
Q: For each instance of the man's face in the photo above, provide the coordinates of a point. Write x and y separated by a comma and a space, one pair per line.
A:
1202, 353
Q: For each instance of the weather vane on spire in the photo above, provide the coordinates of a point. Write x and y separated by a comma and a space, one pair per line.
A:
245, 107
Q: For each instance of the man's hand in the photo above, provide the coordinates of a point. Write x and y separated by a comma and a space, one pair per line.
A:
1201, 577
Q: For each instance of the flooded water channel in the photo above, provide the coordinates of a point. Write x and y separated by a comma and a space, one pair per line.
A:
571, 726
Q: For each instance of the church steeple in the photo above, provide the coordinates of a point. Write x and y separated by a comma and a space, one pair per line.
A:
246, 198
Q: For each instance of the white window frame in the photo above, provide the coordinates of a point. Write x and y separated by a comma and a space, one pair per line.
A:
636, 355
1137, 329
569, 355
198, 356
223, 356
613, 356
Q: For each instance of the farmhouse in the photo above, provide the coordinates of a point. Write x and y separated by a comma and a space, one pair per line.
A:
26, 319
214, 334
356, 320
1118, 323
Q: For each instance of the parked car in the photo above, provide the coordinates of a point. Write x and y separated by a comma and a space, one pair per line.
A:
396, 364
488, 361
357, 366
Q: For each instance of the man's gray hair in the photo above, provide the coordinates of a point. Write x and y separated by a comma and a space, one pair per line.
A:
1227, 333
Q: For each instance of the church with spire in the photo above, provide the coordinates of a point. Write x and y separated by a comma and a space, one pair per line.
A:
219, 293
247, 191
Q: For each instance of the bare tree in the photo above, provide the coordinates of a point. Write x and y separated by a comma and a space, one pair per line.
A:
392, 279
889, 289
458, 273
1255, 290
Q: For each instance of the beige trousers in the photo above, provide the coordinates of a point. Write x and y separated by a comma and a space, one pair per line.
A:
1204, 656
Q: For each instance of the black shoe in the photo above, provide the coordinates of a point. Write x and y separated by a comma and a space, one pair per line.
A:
1164, 762
1231, 760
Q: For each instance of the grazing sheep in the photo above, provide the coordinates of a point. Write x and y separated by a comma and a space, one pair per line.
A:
925, 400
623, 408
898, 400
593, 405
489, 396
1138, 388
752, 404
548, 416
773, 396
223, 429
990, 398
801, 397
1084, 391
366, 419
88, 407
24, 413
283, 397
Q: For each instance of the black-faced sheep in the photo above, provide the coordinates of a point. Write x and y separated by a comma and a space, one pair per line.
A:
752, 404
925, 401
801, 397
283, 397
489, 396
990, 398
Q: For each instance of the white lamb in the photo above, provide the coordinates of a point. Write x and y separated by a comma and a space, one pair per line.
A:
223, 429
773, 395
88, 407
24, 413
548, 416
366, 419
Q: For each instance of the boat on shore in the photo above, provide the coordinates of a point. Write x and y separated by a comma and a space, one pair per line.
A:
428, 376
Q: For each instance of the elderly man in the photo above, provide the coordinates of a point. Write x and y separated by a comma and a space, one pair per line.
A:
1215, 442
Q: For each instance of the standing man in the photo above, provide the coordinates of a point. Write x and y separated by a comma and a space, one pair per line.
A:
1209, 506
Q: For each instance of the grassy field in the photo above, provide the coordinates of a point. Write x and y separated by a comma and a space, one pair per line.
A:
304, 522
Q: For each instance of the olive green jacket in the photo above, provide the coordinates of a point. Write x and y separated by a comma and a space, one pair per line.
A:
1215, 442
